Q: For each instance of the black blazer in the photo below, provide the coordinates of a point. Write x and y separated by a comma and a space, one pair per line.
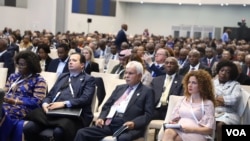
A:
139, 110
120, 72
8, 61
158, 86
186, 68
92, 66
54, 64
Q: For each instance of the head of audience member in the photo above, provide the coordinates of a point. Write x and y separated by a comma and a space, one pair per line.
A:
227, 71
87, 52
219, 49
176, 51
27, 63
240, 56
199, 82
183, 54
124, 27
171, 65
43, 51
140, 51
135, 57
124, 46
227, 54
247, 60
102, 44
63, 51
3, 44
161, 55
36, 41
93, 45
123, 57
209, 52
113, 49
26, 39
150, 48
133, 73
76, 63
194, 57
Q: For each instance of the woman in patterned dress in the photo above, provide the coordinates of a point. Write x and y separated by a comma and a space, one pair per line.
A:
24, 92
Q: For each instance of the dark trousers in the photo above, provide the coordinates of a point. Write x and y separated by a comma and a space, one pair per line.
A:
160, 113
97, 133
31, 131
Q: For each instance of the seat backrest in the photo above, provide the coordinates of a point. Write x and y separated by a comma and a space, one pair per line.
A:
94, 102
50, 78
173, 99
53, 53
111, 65
104, 76
3, 72
1, 64
243, 108
101, 63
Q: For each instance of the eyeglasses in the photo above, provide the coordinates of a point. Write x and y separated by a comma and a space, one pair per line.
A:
160, 54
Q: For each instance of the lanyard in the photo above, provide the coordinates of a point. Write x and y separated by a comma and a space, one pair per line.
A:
18, 81
59, 93
70, 87
202, 109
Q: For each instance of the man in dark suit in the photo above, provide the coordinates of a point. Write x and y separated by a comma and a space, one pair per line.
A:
163, 90
156, 68
71, 90
246, 66
133, 109
194, 63
121, 37
60, 64
209, 58
6, 57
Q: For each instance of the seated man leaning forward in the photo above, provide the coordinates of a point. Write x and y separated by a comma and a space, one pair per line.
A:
130, 105
71, 90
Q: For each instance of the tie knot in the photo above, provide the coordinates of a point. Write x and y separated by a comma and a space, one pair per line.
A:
193, 68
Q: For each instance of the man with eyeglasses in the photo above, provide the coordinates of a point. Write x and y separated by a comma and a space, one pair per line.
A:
156, 68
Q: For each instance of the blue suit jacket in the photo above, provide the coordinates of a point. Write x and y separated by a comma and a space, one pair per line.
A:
120, 37
54, 64
84, 89
139, 110
157, 71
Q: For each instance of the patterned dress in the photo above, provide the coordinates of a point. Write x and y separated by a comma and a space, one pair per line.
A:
31, 91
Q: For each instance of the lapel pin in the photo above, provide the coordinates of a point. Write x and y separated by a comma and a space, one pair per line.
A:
175, 82
138, 94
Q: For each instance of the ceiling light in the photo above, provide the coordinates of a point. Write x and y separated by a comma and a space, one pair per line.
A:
244, 5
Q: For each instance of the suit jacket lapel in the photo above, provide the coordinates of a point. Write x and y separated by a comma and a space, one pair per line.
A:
136, 94
81, 81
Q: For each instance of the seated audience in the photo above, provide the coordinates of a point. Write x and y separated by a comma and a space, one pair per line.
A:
60, 64
194, 112
43, 53
24, 92
123, 60
166, 85
146, 77
71, 90
6, 57
228, 93
156, 68
129, 105
90, 64
194, 63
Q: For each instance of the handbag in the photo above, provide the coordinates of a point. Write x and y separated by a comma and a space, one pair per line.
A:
62, 112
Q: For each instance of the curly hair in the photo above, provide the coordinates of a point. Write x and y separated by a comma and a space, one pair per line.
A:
226, 63
205, 84
31, 59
